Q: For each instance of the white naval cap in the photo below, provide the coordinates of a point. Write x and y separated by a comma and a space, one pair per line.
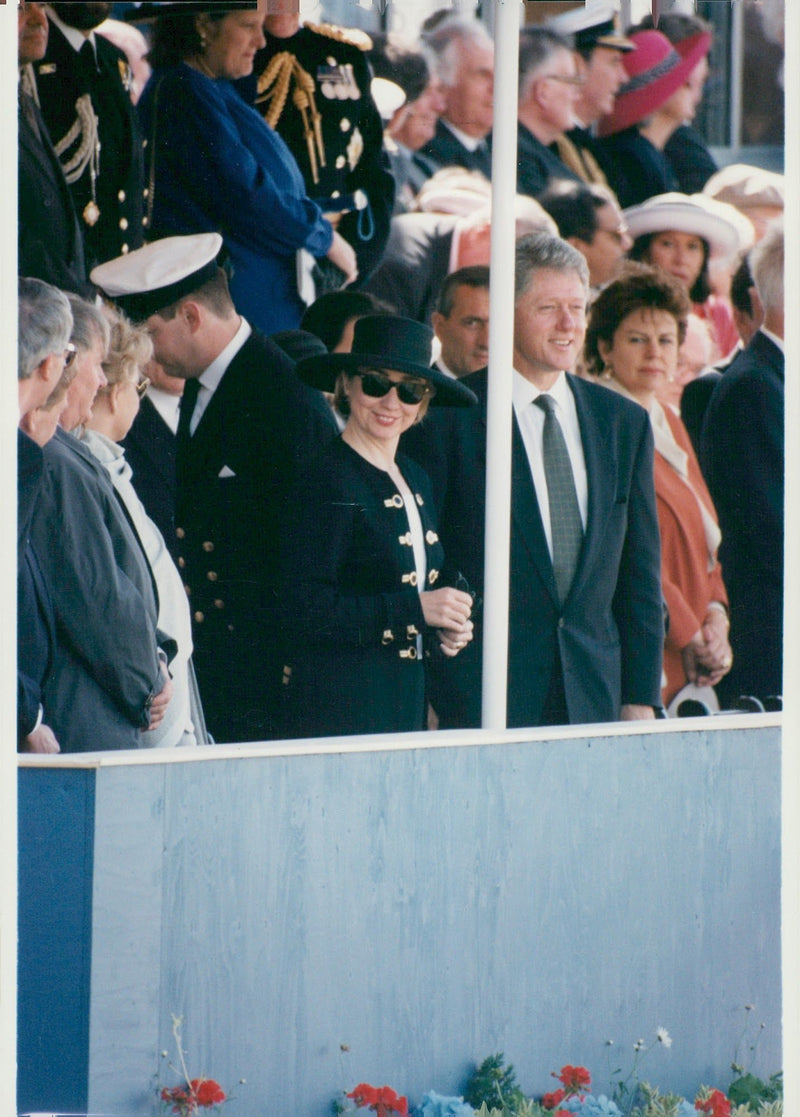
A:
145, 281
593, 24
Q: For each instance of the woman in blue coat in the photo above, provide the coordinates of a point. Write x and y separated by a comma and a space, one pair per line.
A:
364, 595
215, 166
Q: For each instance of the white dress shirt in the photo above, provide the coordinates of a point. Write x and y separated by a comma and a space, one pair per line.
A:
211, 378
530, 420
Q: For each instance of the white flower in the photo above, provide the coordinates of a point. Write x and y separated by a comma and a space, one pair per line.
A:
663, 1036
639, 1045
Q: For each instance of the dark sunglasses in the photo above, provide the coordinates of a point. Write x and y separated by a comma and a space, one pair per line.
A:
376, 385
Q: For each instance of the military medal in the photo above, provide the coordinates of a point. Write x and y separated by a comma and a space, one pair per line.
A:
91, 212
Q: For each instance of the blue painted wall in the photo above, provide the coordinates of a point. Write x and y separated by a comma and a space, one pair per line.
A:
426, 907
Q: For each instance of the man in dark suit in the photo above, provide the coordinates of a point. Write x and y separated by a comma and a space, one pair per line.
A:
50, 243
585, 617
465, 64
741, 454
83, 88
246, 426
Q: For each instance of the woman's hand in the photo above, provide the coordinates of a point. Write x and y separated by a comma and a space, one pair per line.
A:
343, 256
448, 610
707, 657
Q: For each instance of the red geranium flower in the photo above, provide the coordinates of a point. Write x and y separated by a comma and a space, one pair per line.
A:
550, 1101
716, 1104
574, 1078
383, 1100
207, 1092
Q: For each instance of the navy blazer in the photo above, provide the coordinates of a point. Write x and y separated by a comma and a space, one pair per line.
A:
608, 636
742, 458
446, 150
260, 426
537, 165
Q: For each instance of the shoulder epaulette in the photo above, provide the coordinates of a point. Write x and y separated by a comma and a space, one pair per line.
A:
350, 35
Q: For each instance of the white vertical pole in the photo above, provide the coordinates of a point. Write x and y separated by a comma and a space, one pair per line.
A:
501, 313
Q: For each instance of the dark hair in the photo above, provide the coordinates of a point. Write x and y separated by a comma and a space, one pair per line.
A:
401, 64
476, 275
676, 26
176, 38
574, 205
214, 294
329, 314
639, 287
700, 289
741, 282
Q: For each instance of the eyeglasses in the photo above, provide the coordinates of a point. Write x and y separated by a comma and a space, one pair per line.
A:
70, 353
142, 386
575, 79
376, 385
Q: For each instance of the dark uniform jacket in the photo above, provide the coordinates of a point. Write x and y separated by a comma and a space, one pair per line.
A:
742, 458
62, 77
636, 170
350, 608
537, 165
50, 242
352, 133
260, 425
607, 638
105, 669
446, 150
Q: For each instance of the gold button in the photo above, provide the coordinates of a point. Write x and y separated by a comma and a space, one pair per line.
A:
412, 631
218, 604
188, 589
208, 547
387, 637
124, 249
431, 537
405, 540
212, 575
144, 143
420, 501
199, 617
411, 578
180, 532
344, 124
181, 562
395, 501
230, 628
123, 222
340, 162
145, 222
434, 574
145, 193
408, 653
121, 195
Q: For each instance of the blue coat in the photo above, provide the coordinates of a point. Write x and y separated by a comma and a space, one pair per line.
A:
741, 455
219, 168
608, 636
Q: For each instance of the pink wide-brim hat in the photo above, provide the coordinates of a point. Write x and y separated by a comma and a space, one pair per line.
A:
656, 69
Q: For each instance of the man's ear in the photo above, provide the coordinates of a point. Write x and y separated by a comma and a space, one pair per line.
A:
50, 369
192, 315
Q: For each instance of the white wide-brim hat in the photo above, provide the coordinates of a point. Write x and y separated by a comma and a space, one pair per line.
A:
722, 226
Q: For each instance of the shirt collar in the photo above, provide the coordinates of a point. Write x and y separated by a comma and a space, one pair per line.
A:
216, 370
773, 338
74, 37
471, 143
523, 392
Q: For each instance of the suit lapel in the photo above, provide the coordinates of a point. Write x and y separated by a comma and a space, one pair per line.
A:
598, 447
525, 515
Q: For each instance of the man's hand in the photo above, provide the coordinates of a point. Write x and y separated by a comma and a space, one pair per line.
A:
159, 704
41, 740
631, 712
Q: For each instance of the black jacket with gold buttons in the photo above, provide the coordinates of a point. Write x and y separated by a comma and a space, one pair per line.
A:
351, 620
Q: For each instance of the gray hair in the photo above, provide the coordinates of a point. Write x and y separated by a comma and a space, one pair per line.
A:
45, 324
446, 39
89, 324
537, 45
543, 252
766, 266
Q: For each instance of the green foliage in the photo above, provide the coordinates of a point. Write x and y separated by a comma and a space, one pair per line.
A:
656, 1104
494, 1085
484, 1111
750, 1091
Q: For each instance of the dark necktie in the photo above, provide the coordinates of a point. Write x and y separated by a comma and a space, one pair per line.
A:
28, 107
565, 517
88, 60
191, 389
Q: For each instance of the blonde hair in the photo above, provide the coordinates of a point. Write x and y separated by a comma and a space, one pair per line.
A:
129, 349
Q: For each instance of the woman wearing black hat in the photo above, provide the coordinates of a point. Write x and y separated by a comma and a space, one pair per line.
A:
364, 594
215, 166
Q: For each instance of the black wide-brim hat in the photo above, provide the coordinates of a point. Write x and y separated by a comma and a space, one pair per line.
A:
387, 342
149, 11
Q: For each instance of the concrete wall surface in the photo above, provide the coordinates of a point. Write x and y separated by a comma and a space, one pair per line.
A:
424, 907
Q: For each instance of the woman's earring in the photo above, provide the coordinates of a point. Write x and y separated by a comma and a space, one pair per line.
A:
203, 40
